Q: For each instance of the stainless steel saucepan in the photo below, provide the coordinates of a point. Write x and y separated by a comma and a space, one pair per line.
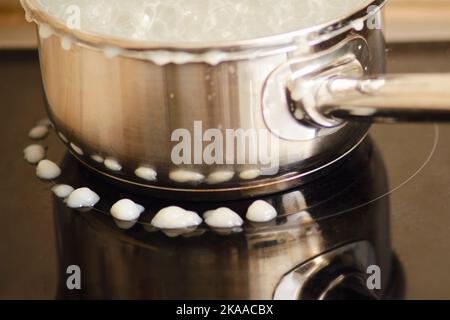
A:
116, 103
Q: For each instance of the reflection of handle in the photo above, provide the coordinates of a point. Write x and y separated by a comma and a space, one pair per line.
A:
337, 274
390, 98
348, 287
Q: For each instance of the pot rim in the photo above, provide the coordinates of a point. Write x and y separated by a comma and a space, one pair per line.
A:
315, 34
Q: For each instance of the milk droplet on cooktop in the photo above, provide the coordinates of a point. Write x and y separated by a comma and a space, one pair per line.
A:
34, 153
63, 137
77, 149
223, 218
261, 211
250, 174
62, 190
126, 210
45, 122
146, 173
82, 198
113, 164
183, 176
38, 132
47, 170
175, 218
97, 158
219, 177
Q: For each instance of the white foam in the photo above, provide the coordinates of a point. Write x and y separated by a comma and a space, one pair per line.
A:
175, 218
47, 170
261, 211
184, 176
222, 218
62, 190
196, 21
34, 153
126, 210
113, 164
38, 132
82, 198
146, 173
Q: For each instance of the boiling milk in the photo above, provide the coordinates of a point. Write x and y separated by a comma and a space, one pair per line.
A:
196, 21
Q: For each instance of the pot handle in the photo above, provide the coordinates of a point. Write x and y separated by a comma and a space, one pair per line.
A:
389, 98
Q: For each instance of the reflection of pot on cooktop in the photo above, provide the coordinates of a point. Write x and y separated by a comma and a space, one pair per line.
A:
327, 233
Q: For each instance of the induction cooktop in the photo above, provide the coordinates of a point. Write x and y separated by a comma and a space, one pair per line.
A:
393, 191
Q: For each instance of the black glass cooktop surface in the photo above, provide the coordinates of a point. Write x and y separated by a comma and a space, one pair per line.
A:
411, 168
